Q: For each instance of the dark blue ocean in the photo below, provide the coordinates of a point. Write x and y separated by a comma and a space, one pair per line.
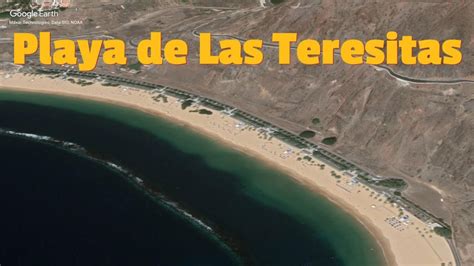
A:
200, 203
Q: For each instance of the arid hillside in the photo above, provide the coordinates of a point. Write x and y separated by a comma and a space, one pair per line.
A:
421, 132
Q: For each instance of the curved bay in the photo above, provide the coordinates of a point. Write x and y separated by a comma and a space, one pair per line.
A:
262, 214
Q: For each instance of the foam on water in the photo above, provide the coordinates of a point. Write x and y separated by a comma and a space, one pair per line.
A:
78, 149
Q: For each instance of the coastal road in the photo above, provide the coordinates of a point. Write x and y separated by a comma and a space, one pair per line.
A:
454, 250
387, 69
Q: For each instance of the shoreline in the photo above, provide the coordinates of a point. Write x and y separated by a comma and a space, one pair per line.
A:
391, 245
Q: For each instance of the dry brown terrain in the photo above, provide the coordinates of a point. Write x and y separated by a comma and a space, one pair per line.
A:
422, 132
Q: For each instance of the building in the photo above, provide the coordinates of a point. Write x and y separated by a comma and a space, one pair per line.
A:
52, 4
62, 3
47, 4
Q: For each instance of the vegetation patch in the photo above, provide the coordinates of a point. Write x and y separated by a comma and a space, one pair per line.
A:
333, 173
160, 97
205, 112
81, 82
366, 178
5, 14
202, 111
307, 134
329, 141
108, 84
186, 104
213, 106
276, 2
137, 66
392, 183
443, 231
316, 121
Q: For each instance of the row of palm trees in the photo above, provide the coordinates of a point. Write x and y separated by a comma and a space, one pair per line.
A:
282, 134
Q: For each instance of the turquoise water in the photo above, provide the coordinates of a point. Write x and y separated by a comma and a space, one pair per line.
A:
262, 214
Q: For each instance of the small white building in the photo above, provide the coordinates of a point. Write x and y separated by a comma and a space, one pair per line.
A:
51, 4
352, 174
